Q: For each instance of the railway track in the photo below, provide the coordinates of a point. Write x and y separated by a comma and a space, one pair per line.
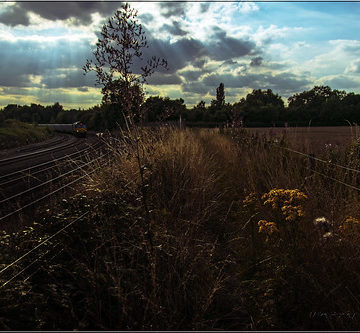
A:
22, 188
14, 160
34, 173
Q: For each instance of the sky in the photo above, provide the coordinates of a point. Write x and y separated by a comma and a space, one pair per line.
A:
288, 47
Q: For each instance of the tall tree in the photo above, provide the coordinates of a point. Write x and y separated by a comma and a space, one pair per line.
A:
260, 106
220, 95
118, 59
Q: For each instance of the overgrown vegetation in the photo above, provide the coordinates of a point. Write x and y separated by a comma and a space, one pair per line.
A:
194, 229
14, 133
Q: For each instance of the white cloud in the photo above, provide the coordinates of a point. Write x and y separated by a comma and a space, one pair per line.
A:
337, 57
265, 35
353, 67
247, 7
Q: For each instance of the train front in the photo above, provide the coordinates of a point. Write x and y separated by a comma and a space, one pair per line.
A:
79, 129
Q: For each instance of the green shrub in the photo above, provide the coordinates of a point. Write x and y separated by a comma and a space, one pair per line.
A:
14, 133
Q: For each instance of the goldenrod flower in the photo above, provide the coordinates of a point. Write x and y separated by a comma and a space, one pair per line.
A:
288, 201
267, 227
250, 199
292, 212
350, 225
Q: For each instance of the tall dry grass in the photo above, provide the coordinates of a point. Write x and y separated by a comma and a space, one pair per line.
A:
187, 232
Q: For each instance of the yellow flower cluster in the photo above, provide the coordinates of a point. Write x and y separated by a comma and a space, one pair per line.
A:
249, 200
292, 212
267, 227
350, 225
288, 201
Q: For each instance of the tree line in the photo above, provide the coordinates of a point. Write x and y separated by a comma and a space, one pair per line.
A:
321, 105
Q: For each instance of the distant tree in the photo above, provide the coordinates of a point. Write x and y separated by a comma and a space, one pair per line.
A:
96, 120
201, 106
196, 113
219, 102
311, 98
12, 111
113, 98
158, 108
2, 117
220, 95
218, 110
155, 108
57, 107
321, 103
260, 106
119, 47
177, 108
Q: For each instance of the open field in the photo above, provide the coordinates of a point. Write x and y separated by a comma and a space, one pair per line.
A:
312, 139
193, 230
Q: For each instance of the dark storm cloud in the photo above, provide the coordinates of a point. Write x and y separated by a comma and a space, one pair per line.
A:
20, 80
196, 88
229, 80
282, 83
275, 65
229, 62
68, 79
177, 54
23, 58
15, 15
192, 75
19, 60
191, 51
224, 47
199, 63
162, 79
204, 7
342, 82
15, 91
83, 89
174, 29
232, 92
285, 82
169, 9
146, 18
81, 11
256, 62
48, 96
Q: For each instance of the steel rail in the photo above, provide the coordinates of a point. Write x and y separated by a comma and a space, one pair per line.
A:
28, 266
8, 160
47, 195
48, 261
40, 145
42, 164
48, 181
24, 172
42, 243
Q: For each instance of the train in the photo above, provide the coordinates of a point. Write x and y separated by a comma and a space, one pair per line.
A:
78, 128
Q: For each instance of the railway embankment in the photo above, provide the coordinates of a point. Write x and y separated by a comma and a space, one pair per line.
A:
14, 133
